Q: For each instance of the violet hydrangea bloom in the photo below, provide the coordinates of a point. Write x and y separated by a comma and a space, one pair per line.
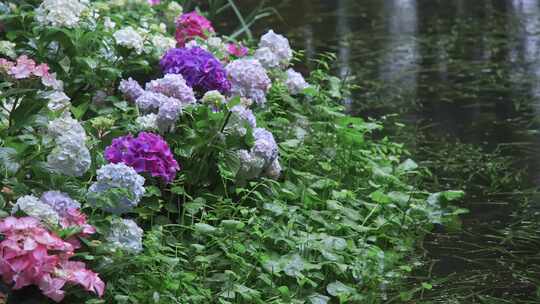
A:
147, 152
261, 159
201, 70
173, 85
131, 89
191, 25
59, 202
249, 79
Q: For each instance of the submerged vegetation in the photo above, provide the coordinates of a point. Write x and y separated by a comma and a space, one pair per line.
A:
227, 178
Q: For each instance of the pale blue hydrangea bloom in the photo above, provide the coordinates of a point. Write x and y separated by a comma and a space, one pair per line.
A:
248, 79
240, 118
295, 82
118, 176
262, 159
267, 58
70, 156
32, 206
279, 46
125, 235
150, 101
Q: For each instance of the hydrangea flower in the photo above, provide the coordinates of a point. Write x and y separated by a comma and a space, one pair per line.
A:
25, 67
168, 114
240, 118
129, 38
32, 206
57, 100
70, 156
267, 58
151, 101
173, 85
249, 79
131, 89
61, 13
279, 46
162, 44
261, 159
32, 255
145, 153
125, 235
237, 50
147, 122
59, 202
295, 82
214, 99
201, 70
191, 25
265, 145
117, 176
7, 48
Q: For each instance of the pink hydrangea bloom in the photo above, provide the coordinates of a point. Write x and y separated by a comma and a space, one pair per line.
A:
31, 255
6, 65
154, 2
191, 25
237, 50
41, 70
24, 68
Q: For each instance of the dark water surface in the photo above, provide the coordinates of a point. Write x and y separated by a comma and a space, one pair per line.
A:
465, 77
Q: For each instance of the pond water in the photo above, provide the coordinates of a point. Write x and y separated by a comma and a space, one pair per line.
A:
465, 78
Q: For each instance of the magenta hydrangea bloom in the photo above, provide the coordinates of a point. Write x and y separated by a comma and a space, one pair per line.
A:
201, 70
147, 152
191, 25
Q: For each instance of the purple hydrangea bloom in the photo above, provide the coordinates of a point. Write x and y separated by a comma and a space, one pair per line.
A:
59, 202
173, 85
131, 89
249, 79
145, 153
201, 70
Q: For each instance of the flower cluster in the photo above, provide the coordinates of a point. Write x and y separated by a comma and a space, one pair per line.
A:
295, 82
61, 13
145, 153
32, 255
237, 50
70, 156
191, 25
125, 235
173, 85
25, 67
201, 70
117, 177
129, 38
241, 118
274, 51
131, 89
262, 159
249, 79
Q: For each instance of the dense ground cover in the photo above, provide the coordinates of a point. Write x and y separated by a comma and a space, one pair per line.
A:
146, 159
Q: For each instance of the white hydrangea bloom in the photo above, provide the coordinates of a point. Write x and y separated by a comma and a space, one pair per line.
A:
279, 45
240, 118
7, 48
193, 43
32, 206
162, 44
295, 82
118, 176
125, 235
58, 100
129, 38
108, 23
70, 156
267, 58
248, 79
274, 170
147, 122
61, 13
250, 166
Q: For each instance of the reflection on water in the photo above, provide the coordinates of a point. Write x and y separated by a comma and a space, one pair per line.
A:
464, 70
